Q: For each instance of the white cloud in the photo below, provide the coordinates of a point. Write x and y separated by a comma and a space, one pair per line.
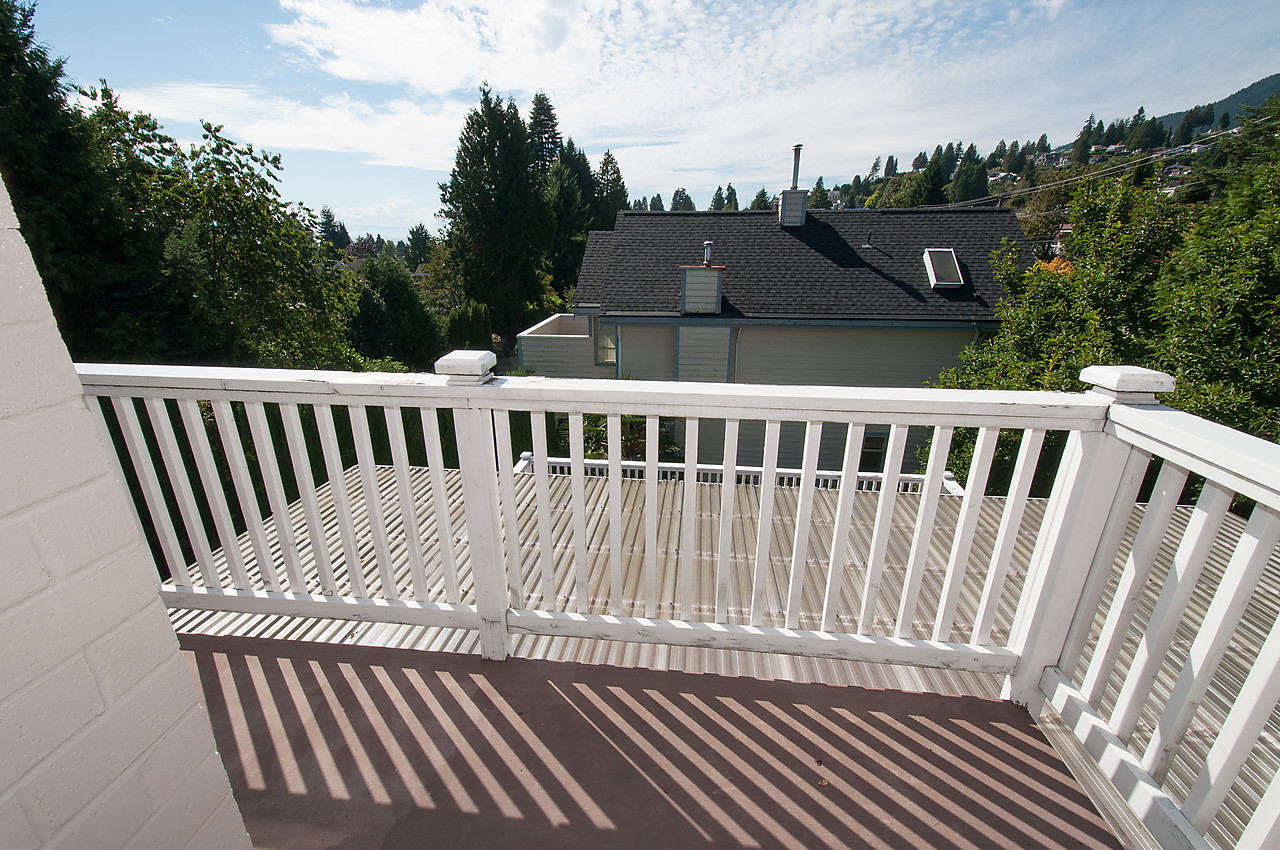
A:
399, 132
696, 93
692, 80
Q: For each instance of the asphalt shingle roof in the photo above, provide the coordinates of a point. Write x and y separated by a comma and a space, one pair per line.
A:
854, 264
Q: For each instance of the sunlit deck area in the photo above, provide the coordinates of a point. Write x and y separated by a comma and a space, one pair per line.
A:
713, 654
337, 746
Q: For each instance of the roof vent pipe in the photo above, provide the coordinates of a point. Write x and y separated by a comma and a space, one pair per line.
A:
706, 252
795, 169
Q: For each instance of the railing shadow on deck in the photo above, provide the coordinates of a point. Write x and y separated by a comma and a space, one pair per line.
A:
363, 747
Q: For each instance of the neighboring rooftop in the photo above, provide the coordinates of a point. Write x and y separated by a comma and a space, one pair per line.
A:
840, 264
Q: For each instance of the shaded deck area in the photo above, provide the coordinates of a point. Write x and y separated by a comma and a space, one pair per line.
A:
369, 747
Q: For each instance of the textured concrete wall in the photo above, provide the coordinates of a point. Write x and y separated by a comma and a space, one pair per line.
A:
103, 743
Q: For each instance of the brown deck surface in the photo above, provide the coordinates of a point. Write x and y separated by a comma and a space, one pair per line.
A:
333, 746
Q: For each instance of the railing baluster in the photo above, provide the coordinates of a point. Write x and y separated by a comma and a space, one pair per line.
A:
158, 412
931, 491
1135, 468
233, 443
764, 531
962, 544
542, 493
409, 526
614, 427
1155, 522
578, 501
1015, 507
1263, 829
198, 437
688, 520
341, 501
510, 509
136, 442
1250, 557
1239, 733
804, 516
1179, 584
266, 452
440, 503
307, 494
651, 425
844, 515
373, 499
728, 491
880, 535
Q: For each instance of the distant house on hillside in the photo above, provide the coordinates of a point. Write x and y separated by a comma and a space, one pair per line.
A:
840, 297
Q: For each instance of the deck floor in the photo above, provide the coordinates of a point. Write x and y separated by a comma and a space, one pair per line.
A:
364, 747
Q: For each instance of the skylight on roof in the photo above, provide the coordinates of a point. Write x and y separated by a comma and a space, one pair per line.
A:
942, 266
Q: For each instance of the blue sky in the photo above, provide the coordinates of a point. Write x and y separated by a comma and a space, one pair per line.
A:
364, 99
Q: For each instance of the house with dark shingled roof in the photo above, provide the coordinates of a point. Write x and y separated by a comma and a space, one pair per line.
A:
849, 298
878, 298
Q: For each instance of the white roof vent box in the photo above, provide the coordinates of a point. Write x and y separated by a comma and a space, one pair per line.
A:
944, 270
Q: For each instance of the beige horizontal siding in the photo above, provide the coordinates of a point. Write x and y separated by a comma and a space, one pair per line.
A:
854, 357
562, 357
648, 353
704, 354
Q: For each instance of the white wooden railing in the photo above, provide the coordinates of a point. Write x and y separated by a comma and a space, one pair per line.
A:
709, 473
405, 498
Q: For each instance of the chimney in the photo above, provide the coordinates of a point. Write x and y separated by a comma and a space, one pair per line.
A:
792, 202
701, 287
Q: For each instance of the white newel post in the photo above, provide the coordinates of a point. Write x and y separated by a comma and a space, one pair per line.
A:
478, 464
1082, 499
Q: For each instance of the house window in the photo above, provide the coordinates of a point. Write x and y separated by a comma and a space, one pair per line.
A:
942, 266
606, 343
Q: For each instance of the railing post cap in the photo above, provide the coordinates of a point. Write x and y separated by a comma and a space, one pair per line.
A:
467, 367
1128, 384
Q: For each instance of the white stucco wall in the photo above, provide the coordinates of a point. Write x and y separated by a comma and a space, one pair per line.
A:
103, 743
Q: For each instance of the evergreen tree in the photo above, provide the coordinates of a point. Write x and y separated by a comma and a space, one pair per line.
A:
496, 213
328, 232
921, 160
874, 173
1224, 121
970, 181
641, 203
717, 200
1014, 159
819, 198
681, 202
655, 203
575, 159
949, 159
570, 219
1083, 144
1042, 144
418, 248
932, 191
731, 199
891, 166
544, 134
611, 193
761, 201
996, 158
